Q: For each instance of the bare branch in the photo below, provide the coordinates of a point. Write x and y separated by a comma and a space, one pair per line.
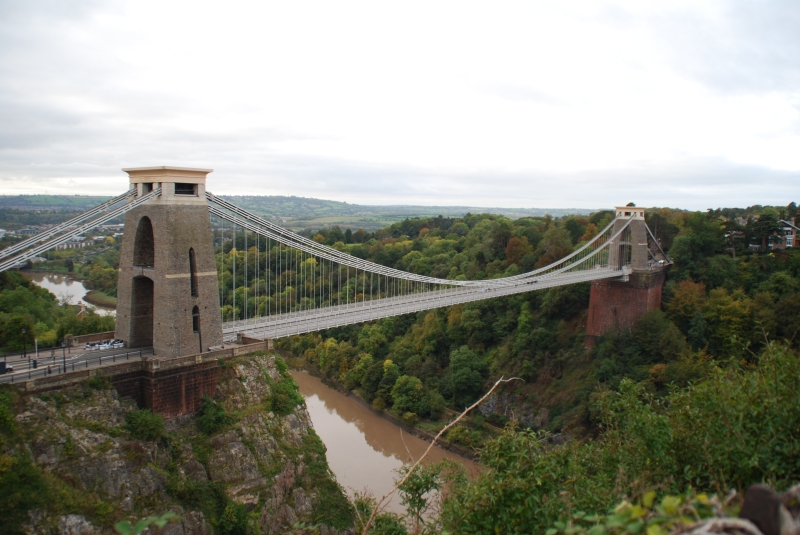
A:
380, 504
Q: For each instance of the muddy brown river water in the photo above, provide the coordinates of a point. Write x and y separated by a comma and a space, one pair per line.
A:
364, 450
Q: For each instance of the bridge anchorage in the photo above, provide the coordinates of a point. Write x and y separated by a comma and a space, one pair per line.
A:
181, 244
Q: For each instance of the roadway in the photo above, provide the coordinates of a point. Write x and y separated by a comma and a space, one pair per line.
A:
74, 358
301, 322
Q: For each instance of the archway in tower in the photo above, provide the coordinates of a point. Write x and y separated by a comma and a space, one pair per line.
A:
144, 244
141, 313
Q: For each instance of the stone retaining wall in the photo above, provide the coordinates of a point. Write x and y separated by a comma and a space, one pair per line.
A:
617, 305
170, 387
77, 341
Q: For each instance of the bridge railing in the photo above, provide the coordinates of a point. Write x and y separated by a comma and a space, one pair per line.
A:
54, 242
55, 368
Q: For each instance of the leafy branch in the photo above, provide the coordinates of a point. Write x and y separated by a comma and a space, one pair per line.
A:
384, 499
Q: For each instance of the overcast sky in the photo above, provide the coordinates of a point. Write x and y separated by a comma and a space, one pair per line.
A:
515, 104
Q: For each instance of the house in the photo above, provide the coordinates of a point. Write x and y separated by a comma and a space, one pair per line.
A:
77, 242
790, 235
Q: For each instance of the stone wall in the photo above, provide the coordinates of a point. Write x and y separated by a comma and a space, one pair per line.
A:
170, 387
77, 341
617, 305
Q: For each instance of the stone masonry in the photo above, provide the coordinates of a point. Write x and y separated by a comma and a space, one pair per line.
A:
616, 304
167, 294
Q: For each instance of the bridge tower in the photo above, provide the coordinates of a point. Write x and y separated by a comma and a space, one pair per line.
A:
618, 305
168, 295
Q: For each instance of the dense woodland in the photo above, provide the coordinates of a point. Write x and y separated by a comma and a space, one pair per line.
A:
701, 395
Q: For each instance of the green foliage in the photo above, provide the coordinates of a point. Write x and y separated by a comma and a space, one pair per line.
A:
21, 489
384, 523
407, 394
8, 399
669, 515
98, 382
736, 428
284, 396
233, 520
211, 417
226, 516
333, 509
467, 372
415, 490
144, 424
125, 527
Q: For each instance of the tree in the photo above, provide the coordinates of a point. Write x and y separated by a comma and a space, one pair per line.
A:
663, 230
555, 245
391, 373
407, 394
575, 229
591, 232
466, 374
516, 249
703, 237
766, 230
687, 299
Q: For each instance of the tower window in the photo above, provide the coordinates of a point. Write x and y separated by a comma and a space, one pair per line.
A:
193, 273
144, 244
196, 319
185, 189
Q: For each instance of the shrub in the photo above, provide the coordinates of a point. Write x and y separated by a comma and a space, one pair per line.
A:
98, 382
21, 489
409, 418
144, 425
284, 397
7, 399
736, 428
211, 417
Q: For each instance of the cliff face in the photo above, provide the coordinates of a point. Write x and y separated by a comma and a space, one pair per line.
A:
251, 463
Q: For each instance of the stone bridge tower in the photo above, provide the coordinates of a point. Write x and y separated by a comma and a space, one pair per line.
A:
168, 295
616, 304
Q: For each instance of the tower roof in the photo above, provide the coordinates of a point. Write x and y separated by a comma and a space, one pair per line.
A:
166, 173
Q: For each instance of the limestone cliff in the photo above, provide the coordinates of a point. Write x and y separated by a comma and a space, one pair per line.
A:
250, 463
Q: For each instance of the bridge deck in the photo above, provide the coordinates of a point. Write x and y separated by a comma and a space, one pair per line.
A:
302, 322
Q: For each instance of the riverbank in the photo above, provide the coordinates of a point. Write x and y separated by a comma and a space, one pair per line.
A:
72, 289
301, 365
98, 298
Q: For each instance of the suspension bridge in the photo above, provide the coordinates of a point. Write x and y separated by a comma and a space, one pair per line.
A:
183, 291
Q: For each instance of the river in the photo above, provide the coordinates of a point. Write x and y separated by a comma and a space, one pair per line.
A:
364, 450
64, 286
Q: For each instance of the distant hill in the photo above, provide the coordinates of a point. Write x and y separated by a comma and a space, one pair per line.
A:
302, 212
50, 202
298, 212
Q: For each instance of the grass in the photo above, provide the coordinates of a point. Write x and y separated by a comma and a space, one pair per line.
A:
96, 297
333, 508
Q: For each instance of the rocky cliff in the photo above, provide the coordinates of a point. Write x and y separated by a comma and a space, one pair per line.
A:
78, 460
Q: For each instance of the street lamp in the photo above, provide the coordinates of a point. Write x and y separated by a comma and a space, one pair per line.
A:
24, 346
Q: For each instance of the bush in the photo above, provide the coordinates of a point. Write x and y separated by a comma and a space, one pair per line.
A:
284, 397
98, 382
409, 418
21, 489
7, 400
211, 417
144, 425
736, 428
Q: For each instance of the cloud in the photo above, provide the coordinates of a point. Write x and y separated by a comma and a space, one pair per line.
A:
518, 105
